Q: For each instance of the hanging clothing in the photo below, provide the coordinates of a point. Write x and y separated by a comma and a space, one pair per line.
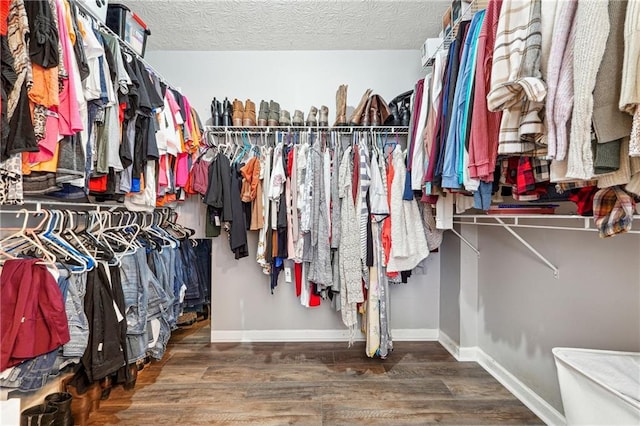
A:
33, 312
350, 273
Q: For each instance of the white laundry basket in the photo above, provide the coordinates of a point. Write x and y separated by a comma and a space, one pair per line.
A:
599, 387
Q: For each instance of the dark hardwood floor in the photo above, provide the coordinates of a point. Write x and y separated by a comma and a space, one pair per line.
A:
309, 383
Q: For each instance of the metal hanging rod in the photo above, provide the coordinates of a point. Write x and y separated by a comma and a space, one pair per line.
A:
399, 130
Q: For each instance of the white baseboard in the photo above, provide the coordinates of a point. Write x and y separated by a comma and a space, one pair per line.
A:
448, 343
419, 334
524, 393
468, 353
415, 334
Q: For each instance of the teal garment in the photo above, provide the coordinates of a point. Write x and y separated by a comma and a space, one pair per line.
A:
454, 147
469, 76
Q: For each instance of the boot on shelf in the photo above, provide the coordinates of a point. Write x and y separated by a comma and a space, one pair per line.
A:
62, 401
356, 117
405, 112
227, 113
238, 112
323, 120
274, 114
249, 115
341, 106
263, 114
394, 115
365, 119
379, 111
39, 415
285, 118
312, 118
216, 113
298, 118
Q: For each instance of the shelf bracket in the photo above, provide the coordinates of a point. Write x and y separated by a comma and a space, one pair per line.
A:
464, 240
554, 268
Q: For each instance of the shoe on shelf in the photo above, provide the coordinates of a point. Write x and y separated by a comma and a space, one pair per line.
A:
323, 120
341, 106
238, 112
285, 118
227, 112
365, 119
298, 118
312, 118
263, 114
249, 114
394, 115
273, 119
378, 111
216, 113
357, 116
405, 115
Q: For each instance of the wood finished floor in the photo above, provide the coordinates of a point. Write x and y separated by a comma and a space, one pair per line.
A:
311, 384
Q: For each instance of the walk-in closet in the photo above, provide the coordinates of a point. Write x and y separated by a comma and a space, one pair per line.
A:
319, 213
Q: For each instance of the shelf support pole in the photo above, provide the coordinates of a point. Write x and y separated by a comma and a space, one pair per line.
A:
554, 268
464, 240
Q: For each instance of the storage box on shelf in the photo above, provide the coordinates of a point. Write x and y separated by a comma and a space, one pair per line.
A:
129, 26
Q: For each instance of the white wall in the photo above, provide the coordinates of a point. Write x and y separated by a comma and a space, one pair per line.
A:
295, 79
523, 312
241, 299
450, 287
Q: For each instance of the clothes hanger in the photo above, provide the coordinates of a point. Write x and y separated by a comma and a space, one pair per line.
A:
73, 239
27, 237
66, 251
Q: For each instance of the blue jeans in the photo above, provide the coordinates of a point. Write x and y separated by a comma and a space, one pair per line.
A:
76, 287
136, 291
32, 374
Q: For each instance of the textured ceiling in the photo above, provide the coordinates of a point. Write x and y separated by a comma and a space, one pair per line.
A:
289, 24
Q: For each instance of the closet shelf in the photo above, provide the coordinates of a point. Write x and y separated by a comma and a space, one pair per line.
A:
546, 221
581, 223
399, 130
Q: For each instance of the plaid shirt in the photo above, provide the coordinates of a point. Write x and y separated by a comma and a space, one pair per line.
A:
612, 211
516, 83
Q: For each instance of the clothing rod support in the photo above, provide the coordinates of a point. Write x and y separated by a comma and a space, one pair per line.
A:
554, 268
467, 242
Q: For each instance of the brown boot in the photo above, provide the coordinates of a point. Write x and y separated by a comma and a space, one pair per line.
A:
80, 406
341, 106
356, 117
249, 115
238, 111
323, 120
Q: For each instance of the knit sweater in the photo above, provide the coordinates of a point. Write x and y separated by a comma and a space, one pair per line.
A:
516, 83
515, 74
548, 9
592, 30
559, 57
609, 122
630, 93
